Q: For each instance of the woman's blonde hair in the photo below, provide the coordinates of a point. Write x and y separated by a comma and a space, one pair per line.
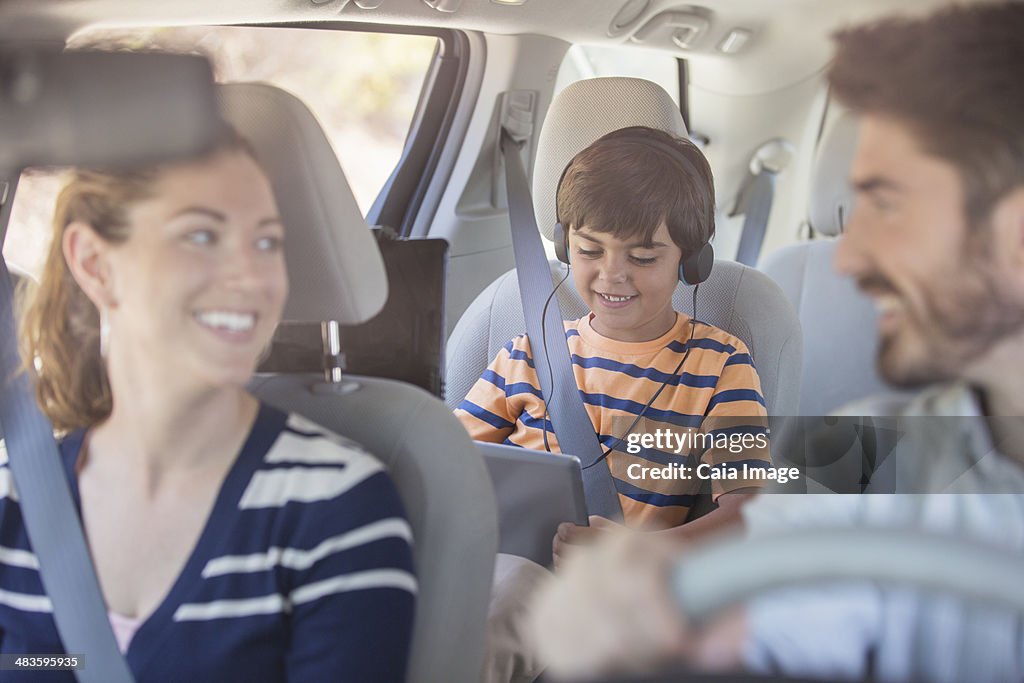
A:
60, 327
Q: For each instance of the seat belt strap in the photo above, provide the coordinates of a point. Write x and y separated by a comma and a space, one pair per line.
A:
50, 516
755, 203
569, 419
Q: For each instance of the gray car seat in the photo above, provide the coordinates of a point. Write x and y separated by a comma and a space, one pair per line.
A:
736, 298
337, 273
839, 322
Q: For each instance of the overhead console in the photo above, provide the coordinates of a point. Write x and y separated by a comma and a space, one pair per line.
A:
688, 27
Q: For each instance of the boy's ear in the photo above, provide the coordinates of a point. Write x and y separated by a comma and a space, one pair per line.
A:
560, 237
1006, 226
87, 256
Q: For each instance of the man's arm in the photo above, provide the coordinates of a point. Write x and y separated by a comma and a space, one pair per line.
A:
639, 626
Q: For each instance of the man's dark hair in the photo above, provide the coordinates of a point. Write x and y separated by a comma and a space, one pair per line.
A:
627, 187
955, 80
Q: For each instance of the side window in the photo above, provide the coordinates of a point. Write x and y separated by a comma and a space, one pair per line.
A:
362, 87
592, 61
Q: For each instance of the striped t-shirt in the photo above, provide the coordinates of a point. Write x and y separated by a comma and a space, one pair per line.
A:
303, 572
717, 394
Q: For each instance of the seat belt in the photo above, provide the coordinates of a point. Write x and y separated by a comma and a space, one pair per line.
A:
755, 202
569, 419
50, 517
755, 197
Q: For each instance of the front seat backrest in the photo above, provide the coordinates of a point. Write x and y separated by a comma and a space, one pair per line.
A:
839, 322
337, 273
738, 299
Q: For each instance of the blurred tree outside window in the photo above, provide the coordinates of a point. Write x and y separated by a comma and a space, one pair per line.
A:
362, 87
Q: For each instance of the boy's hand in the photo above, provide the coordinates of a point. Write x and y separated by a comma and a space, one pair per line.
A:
569, 535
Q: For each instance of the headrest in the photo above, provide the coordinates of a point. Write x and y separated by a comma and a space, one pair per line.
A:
582, 113
831, 200
335, 270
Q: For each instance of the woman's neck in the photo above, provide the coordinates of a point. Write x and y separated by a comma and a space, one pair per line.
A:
153, 437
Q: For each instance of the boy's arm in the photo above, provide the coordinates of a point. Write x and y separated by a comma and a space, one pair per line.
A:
725, 516
485, 412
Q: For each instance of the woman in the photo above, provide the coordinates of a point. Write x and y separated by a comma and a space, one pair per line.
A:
231, 541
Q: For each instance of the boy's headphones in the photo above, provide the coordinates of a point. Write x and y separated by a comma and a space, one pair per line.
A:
693, 268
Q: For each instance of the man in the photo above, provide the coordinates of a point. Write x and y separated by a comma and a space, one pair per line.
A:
937, 240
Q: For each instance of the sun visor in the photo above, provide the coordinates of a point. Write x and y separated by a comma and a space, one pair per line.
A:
103, 108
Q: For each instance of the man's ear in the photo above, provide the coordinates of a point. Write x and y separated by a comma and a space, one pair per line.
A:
1008, 219
87, 256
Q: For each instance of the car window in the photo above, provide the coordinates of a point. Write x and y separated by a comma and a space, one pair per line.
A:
363, 88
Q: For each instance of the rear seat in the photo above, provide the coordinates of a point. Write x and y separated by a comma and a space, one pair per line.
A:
839, 322
438, 472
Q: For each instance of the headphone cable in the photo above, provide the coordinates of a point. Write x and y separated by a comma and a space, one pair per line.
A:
679, 366
544, 343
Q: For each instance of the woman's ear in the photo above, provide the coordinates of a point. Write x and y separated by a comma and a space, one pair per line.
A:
87, 256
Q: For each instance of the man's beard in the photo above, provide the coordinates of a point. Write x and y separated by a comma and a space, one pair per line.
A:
961, 320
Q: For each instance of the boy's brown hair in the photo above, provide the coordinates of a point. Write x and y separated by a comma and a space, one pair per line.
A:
954, 79
627, 187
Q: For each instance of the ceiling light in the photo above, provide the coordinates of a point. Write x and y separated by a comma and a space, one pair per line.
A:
734, 41
509, 2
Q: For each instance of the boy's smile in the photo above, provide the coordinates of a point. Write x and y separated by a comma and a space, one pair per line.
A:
627, 284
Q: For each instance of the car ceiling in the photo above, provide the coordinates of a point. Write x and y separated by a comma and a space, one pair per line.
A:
789, 38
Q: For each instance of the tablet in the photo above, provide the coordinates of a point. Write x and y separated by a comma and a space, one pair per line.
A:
536, 492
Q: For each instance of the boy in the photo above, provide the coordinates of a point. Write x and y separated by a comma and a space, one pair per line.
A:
634, 205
